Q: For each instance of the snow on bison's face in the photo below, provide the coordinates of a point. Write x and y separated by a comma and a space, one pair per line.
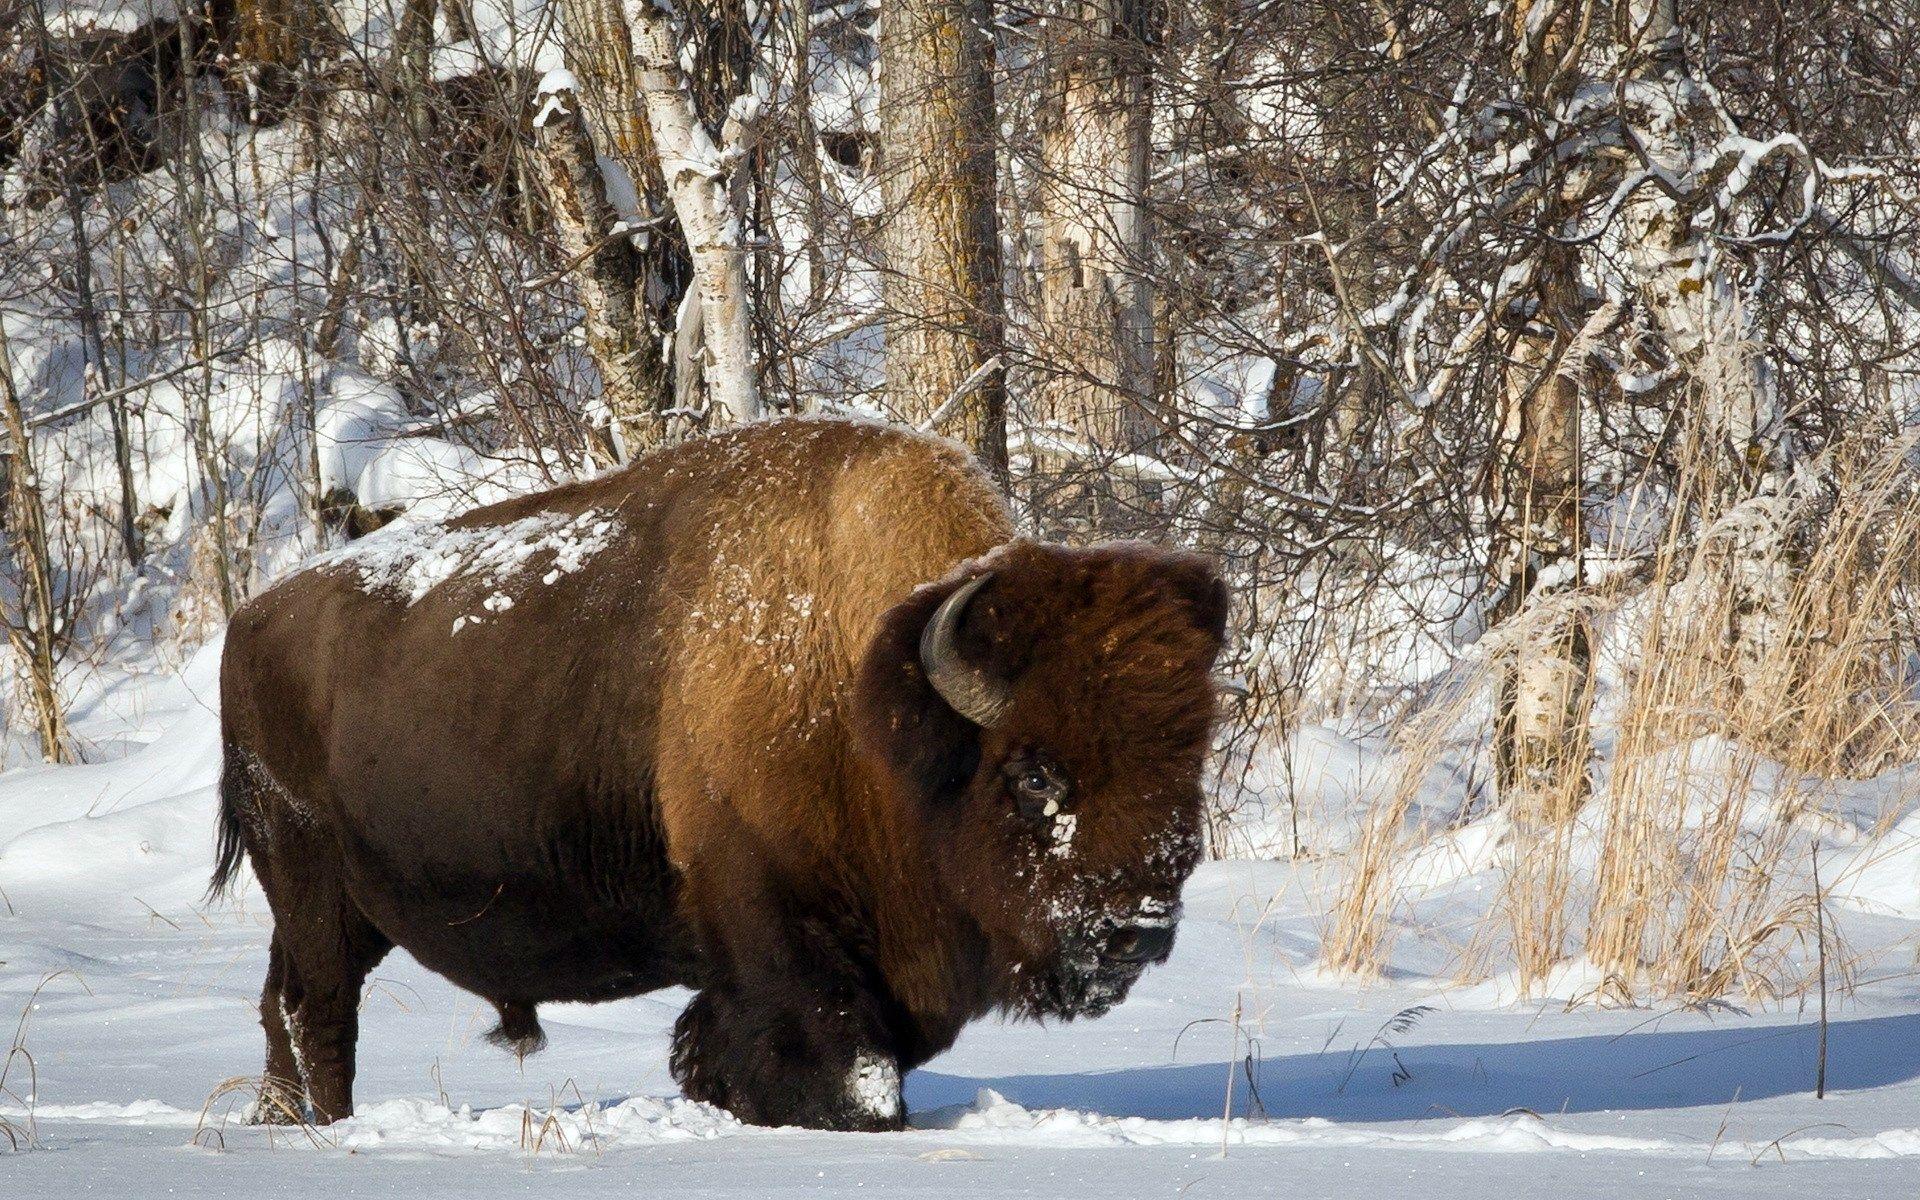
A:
1049, 709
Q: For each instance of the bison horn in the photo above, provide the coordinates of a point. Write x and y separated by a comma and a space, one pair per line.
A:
968, 690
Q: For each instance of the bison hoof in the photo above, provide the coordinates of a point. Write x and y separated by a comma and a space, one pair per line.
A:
813, 1084
791, 1106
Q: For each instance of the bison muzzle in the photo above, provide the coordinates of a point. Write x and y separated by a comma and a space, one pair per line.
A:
785, 715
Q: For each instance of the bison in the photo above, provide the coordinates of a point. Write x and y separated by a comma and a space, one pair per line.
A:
786, 715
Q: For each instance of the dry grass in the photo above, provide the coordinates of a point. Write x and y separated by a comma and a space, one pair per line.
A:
1549, 778
198, 613
1761, 663
19, 1134
264, 1097
541, 1130
1698, 890
544, 1131
1357, 937
22, 1134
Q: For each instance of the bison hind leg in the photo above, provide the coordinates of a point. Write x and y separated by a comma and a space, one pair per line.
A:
519, 1029
282, 1098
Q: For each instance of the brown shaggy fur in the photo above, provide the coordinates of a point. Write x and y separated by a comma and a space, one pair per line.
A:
687, 740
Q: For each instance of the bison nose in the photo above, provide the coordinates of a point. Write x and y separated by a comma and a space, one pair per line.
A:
1137, 943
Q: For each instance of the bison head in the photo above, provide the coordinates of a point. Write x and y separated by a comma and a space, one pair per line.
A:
1047, 711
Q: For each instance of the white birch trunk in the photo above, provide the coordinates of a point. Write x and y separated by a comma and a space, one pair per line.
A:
605, 160
1685, 277
1541, 745
697, 177
1689, 282
1541, 748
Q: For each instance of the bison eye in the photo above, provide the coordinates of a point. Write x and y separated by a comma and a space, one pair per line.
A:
1038, 787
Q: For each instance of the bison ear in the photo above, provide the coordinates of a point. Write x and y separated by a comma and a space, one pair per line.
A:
1197, 581
899, 720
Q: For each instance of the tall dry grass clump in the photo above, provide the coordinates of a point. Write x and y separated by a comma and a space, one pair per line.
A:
1761, 652
1358, 933
1700, 888
1547, 778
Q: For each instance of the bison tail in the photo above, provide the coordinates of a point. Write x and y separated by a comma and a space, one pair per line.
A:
229, 847
519, 1029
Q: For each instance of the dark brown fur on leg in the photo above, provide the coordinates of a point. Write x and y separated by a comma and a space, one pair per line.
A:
773, 1063
792, 1032
283, 1094
326, 1022
325, 1028
323, 947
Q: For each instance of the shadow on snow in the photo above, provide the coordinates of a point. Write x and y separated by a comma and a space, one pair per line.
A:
1652, 1070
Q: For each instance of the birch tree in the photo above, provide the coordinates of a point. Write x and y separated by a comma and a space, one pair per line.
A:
612, 276
699, 178
1541, 745
616, 130
1685, 242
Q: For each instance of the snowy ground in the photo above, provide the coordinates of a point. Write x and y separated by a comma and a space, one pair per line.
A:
145, 1005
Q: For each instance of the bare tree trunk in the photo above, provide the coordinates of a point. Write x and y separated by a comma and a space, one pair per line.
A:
61, 89
413, 65
34, 632
942, 289
1689, 282
697, 175
631, 371
625, 281
200, 240
796, 24
1541, 742
1096, 293
98, 376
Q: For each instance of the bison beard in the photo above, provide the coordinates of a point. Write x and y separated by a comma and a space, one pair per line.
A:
785, 715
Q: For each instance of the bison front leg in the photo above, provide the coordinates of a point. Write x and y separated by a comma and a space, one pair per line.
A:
805, 1058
